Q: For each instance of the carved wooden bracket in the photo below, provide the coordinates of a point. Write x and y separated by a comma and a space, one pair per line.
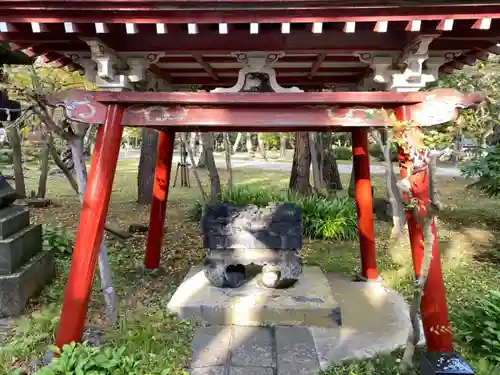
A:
258, 75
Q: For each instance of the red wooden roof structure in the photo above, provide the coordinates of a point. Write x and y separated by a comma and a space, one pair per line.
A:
326, 43
312, 44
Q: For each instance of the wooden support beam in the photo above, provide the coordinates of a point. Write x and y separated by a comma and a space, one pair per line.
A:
350, 27
161, 28
433, 308
218, 11
101, 28
131, 28
223, 28
381, 26
156, 226
286, 27
445, 25
206, 66
317, 64
91, 228
413, 26
364, 203
299, 110
482, 24
317, 28
71, 28
192, 28
7, 27
254, 28
37, 27
160, 73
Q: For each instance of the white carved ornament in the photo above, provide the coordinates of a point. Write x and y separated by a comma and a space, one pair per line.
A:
257, 62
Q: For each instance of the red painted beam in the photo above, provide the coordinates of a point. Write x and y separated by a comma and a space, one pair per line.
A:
90, 228
297, 42
364, 203
85, 12
233, 110
160, 195
240, 40
262, 99
434, 309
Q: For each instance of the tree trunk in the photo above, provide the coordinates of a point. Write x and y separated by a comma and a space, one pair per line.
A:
283, 141
202, 159
393, 193
352, 185
331, 175
44, 168
315, 155
228, 148
262, 146
15, 142
301, 167
147, 163
57, 159
76, 144
193, 162
237, 142
215, 189
192, 140
249, 144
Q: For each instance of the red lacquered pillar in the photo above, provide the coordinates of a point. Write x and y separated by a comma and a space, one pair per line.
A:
434, 309
90, 228
160, 194
364, 203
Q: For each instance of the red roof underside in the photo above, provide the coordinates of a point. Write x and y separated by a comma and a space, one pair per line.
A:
312, 60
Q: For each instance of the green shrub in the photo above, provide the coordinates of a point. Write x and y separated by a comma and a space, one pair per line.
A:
343, 153
6, 156
322, 217
376, 152
479, 326
82, 359
29, 338
58, 241
486, 166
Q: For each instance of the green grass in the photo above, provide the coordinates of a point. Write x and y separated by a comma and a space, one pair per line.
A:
468, 232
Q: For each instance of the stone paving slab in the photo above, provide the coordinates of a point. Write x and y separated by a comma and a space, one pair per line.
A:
309, 302
212, 370
252, 346
296, 351
211, 346
251, 371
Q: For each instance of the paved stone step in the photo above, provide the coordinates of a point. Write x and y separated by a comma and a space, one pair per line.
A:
296, 351
240, 350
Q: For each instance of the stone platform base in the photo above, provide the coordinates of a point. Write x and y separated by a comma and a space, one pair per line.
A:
309, 302
17, 288
375, 321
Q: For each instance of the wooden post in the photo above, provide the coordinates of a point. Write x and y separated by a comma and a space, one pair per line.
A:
364, 203
160, 194
90, 228
433, 308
